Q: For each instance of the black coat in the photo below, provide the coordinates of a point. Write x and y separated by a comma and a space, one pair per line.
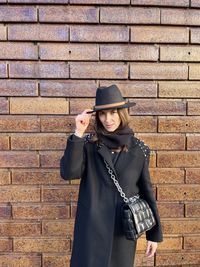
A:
98, 238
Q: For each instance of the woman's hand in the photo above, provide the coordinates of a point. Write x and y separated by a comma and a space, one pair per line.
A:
151, 248
82, 121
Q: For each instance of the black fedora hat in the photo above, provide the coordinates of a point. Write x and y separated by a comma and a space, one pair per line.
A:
110, 98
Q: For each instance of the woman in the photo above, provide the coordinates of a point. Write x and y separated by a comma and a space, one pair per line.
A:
98, 237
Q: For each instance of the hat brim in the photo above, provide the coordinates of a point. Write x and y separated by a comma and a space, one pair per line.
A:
126, 105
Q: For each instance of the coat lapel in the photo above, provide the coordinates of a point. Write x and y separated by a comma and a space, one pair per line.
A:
105, 154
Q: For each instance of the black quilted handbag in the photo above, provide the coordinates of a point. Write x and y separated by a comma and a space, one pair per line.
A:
137, 216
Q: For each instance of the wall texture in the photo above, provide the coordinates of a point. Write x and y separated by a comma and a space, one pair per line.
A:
53, 55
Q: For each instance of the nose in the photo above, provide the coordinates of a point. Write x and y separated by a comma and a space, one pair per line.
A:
108, 117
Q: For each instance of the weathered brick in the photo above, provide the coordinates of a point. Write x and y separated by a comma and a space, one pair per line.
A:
41, 245
178, 258
195, 3
69, 14
169, 243
38, 70
127, 15
20, 260
180, 226
142, 260
193, 108
150, 71
11, 123
158, 34
179, 89
184, 192
191, 242
78, 105
179, 124
180, 16
50, 159
38, 105
69, 52
4, 177
192, 210
99, 34
158, 107
19, 194
40, 211
38, 32
3, 70
179, 53
60, 194
102, 2
194, 72
3, 34
162, 141
20, 229
143, 124
13, 50
41, 176
5, 245
4, 142
39, 1
18, 88
5, 212
98, 70
179, 159
39, 141
192, 176
167, 175
161, 3
69, 88
171, 210
193, 142
195, 35
18, 13
58, 228
129, 52
4, 105
58, 260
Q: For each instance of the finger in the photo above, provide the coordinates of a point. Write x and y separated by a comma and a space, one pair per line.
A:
148, 248
152, 251
87, 110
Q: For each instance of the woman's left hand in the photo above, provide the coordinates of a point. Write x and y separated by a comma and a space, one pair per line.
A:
151, 248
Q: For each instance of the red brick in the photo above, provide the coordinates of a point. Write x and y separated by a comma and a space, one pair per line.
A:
129, 52
78, 105
180, 226
180, 16
98, 70
38, 70
102, 2
169, 243
3, 70
39, 141
161, 3
179, 124
41, 176
180, 53
41, 245
40, 211
159, 34
167, 175
178, 258
195, 3
192, 242
143, 124
184, 192
171, 210
18, 14
60, 194
39, 1
10, 123
50, 159
179, 89
99, 34
192, 210
142, 260
195, 35
4, 142
127, 15
5, 245
4, 177
20, 229
5, 212
19, 194
4, 105
179, 159
58, 260
38, 32
193, 142
20, 260
192, 176
18, 88
69, 52
194, 72
69, 14
151, 71
68, 88
193, 108
58, 228
42, 105
158, 107
3, 34
11, 159
158, 141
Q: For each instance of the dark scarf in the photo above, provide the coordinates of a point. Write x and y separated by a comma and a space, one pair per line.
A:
116, 139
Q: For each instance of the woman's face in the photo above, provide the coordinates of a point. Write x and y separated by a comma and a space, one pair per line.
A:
110, 119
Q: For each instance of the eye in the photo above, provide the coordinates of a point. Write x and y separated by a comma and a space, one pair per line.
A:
114, 111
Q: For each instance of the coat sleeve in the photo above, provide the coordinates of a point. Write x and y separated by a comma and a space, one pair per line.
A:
73, 161
146, 192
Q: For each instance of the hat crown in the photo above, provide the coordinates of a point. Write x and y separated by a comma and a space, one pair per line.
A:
108, 95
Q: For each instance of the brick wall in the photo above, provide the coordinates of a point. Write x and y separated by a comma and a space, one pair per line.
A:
53, 55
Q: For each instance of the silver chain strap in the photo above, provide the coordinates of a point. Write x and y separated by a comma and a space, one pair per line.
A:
122, 194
